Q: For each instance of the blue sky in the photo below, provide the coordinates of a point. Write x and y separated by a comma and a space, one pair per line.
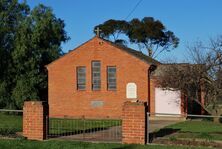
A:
190, 20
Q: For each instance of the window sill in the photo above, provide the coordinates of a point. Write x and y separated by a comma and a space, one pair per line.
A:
112, 90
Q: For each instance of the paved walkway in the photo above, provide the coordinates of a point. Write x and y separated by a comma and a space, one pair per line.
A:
158, 124
114, 134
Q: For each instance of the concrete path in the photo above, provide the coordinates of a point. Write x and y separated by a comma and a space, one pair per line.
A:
114, 134
158, 124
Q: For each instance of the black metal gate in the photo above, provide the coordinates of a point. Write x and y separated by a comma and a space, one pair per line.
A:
95, 130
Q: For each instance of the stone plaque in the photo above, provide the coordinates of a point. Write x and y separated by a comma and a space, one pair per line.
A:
97, 103
131, 91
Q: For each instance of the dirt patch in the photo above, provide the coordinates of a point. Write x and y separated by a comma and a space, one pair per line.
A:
188, 143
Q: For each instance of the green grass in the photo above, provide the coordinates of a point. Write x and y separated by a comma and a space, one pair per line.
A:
198, 126
10, 124
198, 130
59, 126
55, 144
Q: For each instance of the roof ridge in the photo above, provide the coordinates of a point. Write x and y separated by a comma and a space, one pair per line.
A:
70, 51
134, 52
130, 51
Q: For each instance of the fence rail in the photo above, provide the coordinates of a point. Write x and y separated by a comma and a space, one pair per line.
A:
191, 128
9, 110
183, 115
107, 130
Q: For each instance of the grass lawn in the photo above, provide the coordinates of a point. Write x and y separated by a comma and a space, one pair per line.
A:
55, 144
10, 124
198, 129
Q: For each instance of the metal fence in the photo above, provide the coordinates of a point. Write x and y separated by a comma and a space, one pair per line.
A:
95, 130
10, 123
184, 129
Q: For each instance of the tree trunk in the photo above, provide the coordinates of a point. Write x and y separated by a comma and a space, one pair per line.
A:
217, 113
216, 120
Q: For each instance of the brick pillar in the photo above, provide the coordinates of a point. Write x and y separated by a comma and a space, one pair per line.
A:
34, 120
134, 123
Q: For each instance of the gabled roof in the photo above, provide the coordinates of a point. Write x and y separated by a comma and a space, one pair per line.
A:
130, 51
135, 53
161, 68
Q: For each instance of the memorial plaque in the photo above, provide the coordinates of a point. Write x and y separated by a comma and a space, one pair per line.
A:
131, 91
97, 103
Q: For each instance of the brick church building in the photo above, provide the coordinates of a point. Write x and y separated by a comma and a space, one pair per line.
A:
96, 78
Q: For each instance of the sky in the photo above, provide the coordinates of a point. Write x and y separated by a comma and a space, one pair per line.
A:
190, 20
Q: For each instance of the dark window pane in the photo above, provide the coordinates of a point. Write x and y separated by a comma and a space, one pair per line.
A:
96, 86
81, 78
96, 63
96, 76
111, 74
81, 87
112, 81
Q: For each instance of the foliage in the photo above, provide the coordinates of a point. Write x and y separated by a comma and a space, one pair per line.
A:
30, 39
148, 33
172, 138
112, 28
204, 74
152, 34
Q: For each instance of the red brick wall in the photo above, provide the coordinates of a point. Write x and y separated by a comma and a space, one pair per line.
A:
34, 120
134, 123
66, 100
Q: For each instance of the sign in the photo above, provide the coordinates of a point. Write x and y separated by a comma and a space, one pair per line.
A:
131, 91
97, 103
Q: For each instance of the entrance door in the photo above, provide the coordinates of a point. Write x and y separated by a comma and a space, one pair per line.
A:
167, 101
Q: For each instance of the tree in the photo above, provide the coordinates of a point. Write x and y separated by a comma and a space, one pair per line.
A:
36, 42
11, 15
152, 35
111, 30
203, 74
147, 33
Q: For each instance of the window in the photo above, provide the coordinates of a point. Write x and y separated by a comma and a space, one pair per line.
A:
81, 78
96, 75
111, 77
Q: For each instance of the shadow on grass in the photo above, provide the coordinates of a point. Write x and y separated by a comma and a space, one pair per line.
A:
161, 133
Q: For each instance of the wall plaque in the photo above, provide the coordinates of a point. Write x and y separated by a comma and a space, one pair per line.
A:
131, 91
97, 103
